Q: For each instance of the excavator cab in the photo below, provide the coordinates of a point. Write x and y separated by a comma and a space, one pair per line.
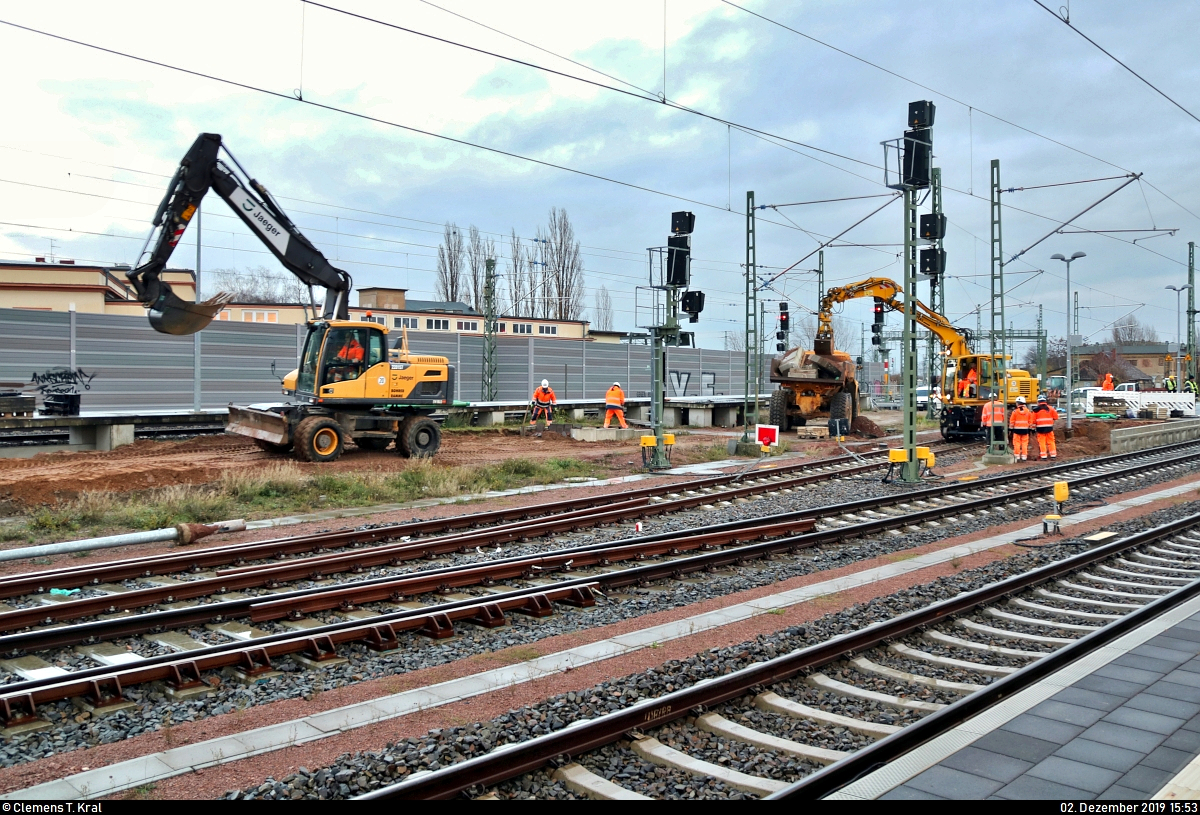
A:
339, 360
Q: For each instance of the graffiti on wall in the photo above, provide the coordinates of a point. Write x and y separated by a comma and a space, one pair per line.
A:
61, 380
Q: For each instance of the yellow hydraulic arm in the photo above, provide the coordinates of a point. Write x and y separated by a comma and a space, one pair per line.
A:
887, 291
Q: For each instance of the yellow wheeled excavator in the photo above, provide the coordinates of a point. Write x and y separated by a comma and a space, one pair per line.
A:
969, 380
349, 385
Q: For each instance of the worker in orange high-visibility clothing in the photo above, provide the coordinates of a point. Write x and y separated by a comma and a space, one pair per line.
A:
1044, 418
1108, 383
543, 403
614, 405
351, 351
967, 382
1020, 423
991, 420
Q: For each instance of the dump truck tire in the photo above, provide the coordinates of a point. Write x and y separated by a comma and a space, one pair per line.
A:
781, 400
841, 407
319, 439
272, 447
419, 437
372, 443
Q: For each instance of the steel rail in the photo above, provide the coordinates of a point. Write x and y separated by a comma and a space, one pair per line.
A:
19, 701
376, 629
199, 559
501, 569
397, 588
510, 761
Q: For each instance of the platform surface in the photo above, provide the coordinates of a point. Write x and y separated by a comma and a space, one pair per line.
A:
1119, 732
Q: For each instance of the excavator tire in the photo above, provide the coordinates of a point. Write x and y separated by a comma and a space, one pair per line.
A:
781, 400
319, 439
419, 437
372, 443
272, 447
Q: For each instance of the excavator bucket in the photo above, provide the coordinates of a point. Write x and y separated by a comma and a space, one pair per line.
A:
171, 314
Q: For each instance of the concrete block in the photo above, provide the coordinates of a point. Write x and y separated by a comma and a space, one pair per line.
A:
724, 416
577, 414
640, 413
602, 434
487, 418
699, 417
112, 436
672, 416
82, 435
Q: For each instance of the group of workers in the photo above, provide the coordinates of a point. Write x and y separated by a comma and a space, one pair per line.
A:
543, 403
1172, 384
1039, 421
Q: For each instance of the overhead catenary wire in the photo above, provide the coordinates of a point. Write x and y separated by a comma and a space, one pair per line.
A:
1076, 217
971, 109
656, 98
1108, 54
406, 127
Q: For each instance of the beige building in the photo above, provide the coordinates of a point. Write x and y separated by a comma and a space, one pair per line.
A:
62, 285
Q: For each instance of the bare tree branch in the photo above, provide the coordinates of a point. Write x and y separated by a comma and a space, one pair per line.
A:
451, 285
603, 316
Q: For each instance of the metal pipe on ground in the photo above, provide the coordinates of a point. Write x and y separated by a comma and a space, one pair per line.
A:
181, 533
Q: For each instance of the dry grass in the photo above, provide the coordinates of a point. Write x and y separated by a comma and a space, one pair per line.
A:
279, 489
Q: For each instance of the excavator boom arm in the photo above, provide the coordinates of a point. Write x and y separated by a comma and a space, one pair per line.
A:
888, 291
200, 170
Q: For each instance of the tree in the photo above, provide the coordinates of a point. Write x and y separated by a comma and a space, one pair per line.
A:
845, 336
479, 251
1129, 331
1108, 362
735, 340
1056, 355
562, 275
603, 318
519, 288
261, 285
451, 284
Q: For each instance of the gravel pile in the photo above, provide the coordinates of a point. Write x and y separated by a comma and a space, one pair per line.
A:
449, 745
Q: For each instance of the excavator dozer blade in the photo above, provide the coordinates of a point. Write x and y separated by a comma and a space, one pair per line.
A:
171, 314
258, 424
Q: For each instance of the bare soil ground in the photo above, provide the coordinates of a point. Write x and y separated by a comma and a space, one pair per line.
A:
147, 464
51, 477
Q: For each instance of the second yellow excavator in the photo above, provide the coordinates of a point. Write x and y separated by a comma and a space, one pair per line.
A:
969, 380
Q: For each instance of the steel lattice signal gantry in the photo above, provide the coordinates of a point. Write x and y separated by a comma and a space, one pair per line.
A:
489, 389
996, 380
1191, 310
752, 340
910, 470
937, 287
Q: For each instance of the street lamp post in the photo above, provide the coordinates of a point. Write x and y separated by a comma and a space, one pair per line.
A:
1178, 344
1070, 379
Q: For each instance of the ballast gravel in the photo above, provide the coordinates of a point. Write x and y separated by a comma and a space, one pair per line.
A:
353, 774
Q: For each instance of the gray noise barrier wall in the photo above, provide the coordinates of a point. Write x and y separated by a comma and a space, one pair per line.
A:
125, 365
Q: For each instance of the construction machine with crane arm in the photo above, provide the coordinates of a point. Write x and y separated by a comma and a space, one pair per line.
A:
824, 378
349, 384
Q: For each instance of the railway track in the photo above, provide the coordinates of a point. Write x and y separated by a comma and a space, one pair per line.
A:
23, 438
803, 725
372, 610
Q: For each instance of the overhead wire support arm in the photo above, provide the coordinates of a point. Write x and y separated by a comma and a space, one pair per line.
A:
1076, 217
824, 245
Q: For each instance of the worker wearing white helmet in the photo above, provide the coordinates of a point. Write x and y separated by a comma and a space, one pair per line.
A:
543, 403
614, 405
1019, 426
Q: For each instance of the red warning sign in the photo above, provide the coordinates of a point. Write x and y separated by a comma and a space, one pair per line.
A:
768, 434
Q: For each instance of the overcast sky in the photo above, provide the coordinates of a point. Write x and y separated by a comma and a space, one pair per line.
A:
92, 138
